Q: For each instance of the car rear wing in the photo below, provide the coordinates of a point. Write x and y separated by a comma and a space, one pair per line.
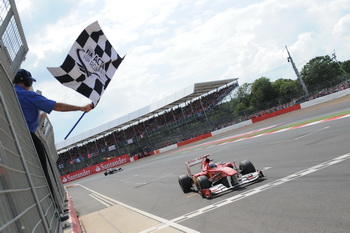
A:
194, 162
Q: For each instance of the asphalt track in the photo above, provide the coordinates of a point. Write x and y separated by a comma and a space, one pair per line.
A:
306, 188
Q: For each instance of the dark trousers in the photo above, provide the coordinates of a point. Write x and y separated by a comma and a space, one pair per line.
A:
41, 151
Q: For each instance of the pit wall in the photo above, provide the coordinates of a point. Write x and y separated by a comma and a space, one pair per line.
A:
127, 159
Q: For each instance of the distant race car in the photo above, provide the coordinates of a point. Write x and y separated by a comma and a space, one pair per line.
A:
217, 178
112, 171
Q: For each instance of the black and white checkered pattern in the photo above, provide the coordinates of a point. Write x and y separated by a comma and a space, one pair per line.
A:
90, 64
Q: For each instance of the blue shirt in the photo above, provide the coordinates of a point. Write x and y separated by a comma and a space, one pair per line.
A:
31, 103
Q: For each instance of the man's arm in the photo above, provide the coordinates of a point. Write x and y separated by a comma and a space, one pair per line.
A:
62, 107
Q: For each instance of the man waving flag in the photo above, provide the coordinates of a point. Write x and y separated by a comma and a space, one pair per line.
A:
90, 64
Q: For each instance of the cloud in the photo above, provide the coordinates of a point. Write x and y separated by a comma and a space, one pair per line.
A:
341, 28
171, 44
25, 8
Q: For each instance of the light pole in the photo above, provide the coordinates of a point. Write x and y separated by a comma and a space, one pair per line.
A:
290, 59
334, 57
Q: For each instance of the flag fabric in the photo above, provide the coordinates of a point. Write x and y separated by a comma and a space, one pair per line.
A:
110, 148
90, 64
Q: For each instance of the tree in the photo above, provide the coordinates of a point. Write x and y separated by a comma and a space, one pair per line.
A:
243, 95
345, 68
262, 92
241, 103
287, 89
320, 72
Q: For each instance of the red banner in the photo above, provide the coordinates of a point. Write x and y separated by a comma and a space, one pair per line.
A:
195, 139
276, 113
95, 168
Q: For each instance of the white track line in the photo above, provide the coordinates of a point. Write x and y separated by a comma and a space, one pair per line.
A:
261, 188
285, 129
94, 196
164, 223
174, 222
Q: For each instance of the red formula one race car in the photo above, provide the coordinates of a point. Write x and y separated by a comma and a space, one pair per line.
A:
217, 178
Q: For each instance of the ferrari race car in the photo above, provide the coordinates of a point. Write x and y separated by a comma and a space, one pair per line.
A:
112, 171
217, 178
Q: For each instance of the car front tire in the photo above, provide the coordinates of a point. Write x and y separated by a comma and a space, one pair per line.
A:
246, 167
185, 183
203, 183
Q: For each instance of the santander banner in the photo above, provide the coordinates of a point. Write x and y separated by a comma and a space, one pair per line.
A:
95, 168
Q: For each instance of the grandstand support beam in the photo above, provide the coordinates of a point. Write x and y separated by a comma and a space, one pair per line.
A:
115, 143
70, 156
205, 114
183, 115
166, 122
147, 133
147, 139
87, 149
96, 146
193, 112
128, 146
137, 139
104, 140
146, 130
79, 152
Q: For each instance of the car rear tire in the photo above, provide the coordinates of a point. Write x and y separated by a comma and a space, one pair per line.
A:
246, 167
203, 183
185, 183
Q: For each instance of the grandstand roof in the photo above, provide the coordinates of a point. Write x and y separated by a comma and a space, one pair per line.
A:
176, 99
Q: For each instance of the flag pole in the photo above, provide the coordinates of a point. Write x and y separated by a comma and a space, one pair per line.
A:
74, 126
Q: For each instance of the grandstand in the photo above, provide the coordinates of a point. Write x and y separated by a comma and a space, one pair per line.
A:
183, 115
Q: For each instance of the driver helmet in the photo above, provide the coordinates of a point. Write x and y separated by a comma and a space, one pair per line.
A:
212, 165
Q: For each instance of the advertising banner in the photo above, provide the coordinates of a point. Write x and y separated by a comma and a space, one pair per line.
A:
95, 168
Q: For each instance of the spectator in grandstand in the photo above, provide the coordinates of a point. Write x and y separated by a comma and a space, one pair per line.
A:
31, 103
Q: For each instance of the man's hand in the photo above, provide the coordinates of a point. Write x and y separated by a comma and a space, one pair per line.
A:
87, 108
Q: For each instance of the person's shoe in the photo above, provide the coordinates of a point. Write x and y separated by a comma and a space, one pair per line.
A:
64, 217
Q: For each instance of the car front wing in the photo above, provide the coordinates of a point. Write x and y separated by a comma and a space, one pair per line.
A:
220, 188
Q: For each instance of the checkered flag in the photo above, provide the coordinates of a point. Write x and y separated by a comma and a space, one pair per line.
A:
90, 64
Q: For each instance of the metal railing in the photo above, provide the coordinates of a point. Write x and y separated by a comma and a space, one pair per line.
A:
26, 203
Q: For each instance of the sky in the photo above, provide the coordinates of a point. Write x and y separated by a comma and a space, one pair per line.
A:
172, 44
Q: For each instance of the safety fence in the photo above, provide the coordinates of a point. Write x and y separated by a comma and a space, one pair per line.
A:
26, 204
